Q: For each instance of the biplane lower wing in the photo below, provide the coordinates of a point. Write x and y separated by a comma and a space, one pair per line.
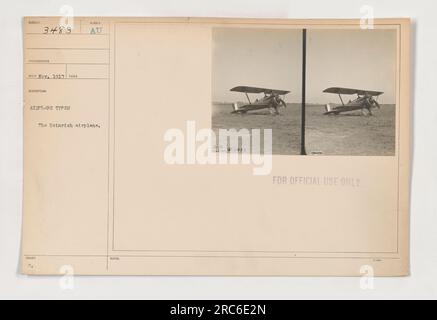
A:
248, 107
337, 109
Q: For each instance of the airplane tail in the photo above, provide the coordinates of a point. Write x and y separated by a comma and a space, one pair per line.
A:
235, 106
328, 107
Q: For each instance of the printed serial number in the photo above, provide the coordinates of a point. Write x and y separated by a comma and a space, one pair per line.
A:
240, 310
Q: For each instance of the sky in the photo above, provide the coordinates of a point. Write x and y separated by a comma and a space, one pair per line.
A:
362, 59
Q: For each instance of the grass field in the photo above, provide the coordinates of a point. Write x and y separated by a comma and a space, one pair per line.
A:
347, 134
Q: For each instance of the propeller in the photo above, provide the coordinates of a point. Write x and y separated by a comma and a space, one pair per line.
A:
372, 102
375, 103
279, 101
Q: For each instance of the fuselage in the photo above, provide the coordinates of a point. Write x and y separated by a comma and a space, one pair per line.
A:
266, 102
358, 104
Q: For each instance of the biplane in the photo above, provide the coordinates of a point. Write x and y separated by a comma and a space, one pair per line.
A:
271, 100
365, 101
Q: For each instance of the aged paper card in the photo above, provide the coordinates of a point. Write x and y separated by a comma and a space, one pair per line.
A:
181, 146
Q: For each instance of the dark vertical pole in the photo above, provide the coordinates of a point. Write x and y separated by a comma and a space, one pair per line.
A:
304, 73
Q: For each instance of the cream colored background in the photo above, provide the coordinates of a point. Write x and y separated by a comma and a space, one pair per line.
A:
422, 283
115, 196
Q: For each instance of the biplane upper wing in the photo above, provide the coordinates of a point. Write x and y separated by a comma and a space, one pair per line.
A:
246, 89
348, 91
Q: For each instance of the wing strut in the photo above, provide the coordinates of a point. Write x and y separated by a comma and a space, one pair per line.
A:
248, 98
341, 98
